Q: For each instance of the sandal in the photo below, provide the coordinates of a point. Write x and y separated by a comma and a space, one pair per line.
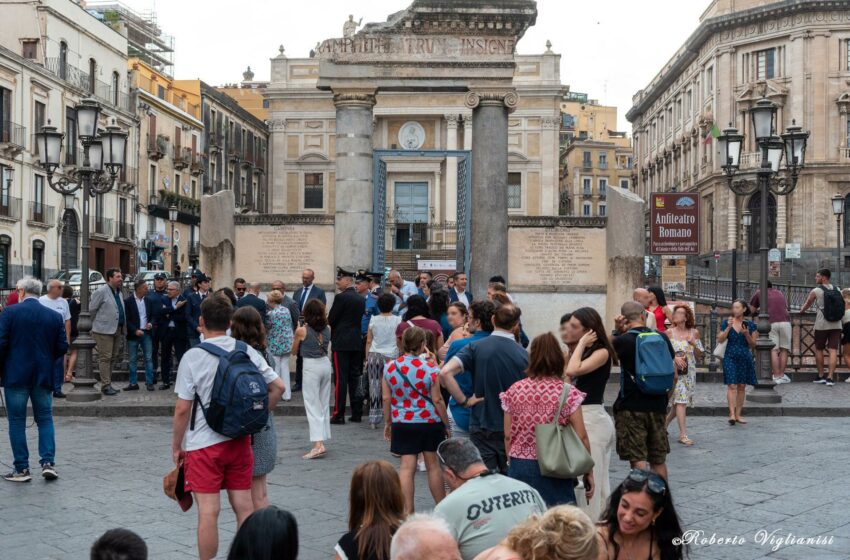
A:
314, 454
739, 421
685, 440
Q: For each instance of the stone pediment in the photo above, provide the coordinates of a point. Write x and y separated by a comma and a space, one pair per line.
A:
754, 91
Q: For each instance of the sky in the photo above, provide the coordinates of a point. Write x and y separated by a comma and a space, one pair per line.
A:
610, 48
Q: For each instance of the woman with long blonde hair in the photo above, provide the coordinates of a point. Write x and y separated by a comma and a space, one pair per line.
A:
375, 512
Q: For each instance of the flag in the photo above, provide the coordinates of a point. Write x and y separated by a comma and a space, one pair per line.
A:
713, 133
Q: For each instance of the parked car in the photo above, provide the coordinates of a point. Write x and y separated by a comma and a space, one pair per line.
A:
147, 276
74, 279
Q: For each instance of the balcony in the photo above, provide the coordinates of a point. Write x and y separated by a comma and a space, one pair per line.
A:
215, 141
587, 193
603, 165
41, 215
587, 165
157, 146
844, 153
750, 160
181, 157
128, 177
234, 153
83, 81
10, 208
603, 194
260, 163
12, 138
188, 209
101, 226
126, 232
196, 165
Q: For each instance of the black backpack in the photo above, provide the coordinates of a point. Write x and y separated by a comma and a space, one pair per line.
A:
833, 304
239, 403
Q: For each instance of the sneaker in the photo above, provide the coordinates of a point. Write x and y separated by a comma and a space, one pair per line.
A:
847, 380
820, 380
48, 471
781, 380
421, 466
19, 476
830, 382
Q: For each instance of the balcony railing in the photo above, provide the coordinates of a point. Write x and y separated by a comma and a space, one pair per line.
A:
41, 213
102, 226
750, 160
157, 146
12, 134
844, 153
196, 165
70, 74
10, 207
125, 231
181, 157
603, 165
587, 164
234, 152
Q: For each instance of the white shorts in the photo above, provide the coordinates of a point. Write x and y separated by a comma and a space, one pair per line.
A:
780, 335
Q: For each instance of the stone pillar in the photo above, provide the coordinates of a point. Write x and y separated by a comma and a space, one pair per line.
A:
218, 253
451, 168
277, 187
353, 219
489, 208
624, 248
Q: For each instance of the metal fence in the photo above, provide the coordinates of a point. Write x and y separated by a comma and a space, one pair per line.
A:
721, 290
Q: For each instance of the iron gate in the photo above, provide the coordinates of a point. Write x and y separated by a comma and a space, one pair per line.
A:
464, 197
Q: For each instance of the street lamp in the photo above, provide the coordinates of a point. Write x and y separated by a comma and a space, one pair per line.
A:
838, 210
172, 217
747, 221
103, 158
768, 179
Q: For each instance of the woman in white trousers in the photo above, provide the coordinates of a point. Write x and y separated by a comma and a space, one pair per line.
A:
589, 362
313, 338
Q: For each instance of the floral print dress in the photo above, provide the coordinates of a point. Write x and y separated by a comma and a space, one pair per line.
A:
684, 391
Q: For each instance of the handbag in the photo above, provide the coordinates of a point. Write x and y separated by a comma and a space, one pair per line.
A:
720, 350
560, 452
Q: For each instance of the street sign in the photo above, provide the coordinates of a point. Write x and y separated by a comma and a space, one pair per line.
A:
673, 275
792, 250
773, 269
717, 255
674, 224
774, 255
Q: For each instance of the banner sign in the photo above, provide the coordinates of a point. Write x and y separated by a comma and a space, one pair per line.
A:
674, 224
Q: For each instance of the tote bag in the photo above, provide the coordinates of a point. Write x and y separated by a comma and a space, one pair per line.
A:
560, 452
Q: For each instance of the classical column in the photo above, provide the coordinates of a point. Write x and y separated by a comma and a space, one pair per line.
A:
353, 200
467, 132
489, 208
451, 168
278, 189
731, 221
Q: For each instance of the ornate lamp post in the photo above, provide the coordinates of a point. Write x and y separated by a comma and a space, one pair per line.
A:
172, 217
838, 210
103, 158
792, 144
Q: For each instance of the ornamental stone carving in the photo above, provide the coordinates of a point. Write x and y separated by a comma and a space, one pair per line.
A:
411, 136
452, 120
509, 99
354, 99
550, 122
277, 125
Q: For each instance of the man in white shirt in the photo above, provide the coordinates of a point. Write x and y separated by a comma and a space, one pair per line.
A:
401, 289
458, 291
213, 462
54, 300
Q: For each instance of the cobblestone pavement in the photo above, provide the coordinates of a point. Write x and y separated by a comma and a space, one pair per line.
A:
783, 474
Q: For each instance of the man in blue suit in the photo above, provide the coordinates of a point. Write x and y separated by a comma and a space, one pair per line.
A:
458, 292
32, 338
139, 310
193, 308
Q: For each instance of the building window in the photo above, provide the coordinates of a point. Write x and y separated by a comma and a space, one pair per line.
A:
194, 189
70, 136
152, 181
265, 103
38, 259
514, 191
709, 81
29, 48
847, 49
63, 60
765, 66
586, 161
177, 183
92, 74
5, 185
689, 103
5, 245
601, 209
585, 210
603, 160
160, 92
38, 116
116, 81
587, 186
603, 186
624, 184
38, 199
230, 183
314, 191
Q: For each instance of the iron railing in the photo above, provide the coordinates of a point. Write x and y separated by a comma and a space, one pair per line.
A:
708, 290
12, 133
125, 231
41, 213
10, 207
102, 226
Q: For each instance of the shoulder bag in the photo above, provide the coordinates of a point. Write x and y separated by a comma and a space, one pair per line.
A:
560, 452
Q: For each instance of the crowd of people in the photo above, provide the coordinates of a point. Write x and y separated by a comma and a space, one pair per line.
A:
457, 387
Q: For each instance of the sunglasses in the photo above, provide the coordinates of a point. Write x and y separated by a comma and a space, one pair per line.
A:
654, 482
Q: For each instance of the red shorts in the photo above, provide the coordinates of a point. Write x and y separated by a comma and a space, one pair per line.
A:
224, 466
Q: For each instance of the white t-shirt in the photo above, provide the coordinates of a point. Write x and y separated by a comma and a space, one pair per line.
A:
196, 375
383, 335
59, 305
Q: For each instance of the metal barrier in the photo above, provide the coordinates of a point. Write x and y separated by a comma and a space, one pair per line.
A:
708, 290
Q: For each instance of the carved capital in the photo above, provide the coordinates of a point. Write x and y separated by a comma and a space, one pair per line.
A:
550, 122
452, 120
508, 99
277, 125
354, 99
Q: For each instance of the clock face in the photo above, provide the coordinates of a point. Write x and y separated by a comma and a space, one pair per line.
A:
411, 136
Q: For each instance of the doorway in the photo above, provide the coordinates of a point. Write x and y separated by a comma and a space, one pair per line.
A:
411, 216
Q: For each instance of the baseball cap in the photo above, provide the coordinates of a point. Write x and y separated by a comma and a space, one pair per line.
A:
173, 484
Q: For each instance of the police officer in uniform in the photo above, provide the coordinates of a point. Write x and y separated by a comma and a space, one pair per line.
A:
345, 319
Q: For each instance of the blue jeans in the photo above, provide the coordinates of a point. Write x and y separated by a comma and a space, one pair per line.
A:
554, 491
146, 342
16, 408
58, 374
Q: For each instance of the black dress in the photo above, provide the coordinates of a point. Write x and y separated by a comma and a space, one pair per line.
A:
347, 547
75, 307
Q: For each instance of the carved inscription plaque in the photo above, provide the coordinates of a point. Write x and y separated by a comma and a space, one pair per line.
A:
268, 253
557, 256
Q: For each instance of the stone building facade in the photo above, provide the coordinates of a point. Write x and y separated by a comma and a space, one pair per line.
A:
53, 56
794, 53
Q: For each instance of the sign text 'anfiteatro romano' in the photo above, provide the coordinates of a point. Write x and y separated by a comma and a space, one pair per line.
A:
674, 224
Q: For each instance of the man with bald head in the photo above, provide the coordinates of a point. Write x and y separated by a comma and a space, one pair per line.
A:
424, 536
638, 416
54, 300
252, 299
644, 297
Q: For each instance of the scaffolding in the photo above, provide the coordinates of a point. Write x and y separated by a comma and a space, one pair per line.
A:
145, 39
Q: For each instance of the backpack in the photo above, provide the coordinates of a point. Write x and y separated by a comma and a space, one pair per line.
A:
833, 304
239, 402
654, 367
